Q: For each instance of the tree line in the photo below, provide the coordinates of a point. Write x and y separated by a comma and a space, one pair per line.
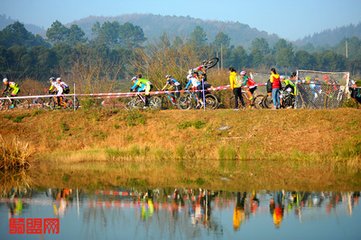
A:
116, 51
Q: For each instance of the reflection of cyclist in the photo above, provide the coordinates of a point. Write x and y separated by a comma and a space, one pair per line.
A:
172, 85
13, 87
238, 212
142, 85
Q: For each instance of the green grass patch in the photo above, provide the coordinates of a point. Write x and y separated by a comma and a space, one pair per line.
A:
135, 118
187, 124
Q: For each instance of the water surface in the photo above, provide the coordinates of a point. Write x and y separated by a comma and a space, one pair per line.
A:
128, 213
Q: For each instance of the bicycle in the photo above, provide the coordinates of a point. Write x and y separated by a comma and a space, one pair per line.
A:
169, 101
210, 63
6, 104
287, 99
256, 102
189, 100
68, 103
138, 102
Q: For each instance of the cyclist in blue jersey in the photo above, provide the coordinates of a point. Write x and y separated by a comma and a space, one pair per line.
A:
172, 85
142, 85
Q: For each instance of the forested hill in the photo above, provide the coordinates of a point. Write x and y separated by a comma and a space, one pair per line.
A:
5, 21
332, 37
241, 34
155, 25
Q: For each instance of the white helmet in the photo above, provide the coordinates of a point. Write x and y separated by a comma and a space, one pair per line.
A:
5, 80
58, 79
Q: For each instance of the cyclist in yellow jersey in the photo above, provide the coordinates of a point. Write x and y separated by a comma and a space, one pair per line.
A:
11, 87
142, 85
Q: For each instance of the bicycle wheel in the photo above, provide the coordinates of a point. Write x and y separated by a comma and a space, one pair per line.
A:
49, 104
257, 101
155, 102
4, 104
267, 102
134, 103
22, 104
211, 63
246, 100
231, 102
211, 101
184, 102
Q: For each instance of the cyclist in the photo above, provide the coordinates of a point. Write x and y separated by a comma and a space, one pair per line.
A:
63, 85
13, 87
249, 84
142, 85
289, 85
56, 88
201, 70
195, 81
204, 85
172, 85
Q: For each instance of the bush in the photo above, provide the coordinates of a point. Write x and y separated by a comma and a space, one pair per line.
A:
14, 155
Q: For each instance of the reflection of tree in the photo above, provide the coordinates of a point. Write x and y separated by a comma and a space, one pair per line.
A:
15, 185
14, 182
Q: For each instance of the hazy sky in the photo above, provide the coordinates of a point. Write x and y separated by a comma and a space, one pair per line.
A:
287, 18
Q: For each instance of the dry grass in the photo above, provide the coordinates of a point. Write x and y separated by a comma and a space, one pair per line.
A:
14, 154
246, 148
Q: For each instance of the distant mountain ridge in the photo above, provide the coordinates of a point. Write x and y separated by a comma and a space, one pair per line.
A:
332, 37
155, 25
5, 21
241, 34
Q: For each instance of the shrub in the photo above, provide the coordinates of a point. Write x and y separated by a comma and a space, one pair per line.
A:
14, 155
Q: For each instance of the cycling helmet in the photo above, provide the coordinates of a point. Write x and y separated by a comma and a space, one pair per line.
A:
5, 80
52, 79
133, 78
282, 77
58, 79
243, 72
168, 76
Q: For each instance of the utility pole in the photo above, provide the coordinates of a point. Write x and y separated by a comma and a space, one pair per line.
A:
221, 56
346, 49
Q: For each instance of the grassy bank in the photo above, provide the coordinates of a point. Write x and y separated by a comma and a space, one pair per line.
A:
222, 148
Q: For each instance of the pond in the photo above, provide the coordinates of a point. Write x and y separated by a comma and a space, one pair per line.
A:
171, 213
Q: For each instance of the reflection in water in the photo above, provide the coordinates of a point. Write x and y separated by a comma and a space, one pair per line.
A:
189, 213
14, 186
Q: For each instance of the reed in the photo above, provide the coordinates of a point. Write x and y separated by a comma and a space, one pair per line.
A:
14, 154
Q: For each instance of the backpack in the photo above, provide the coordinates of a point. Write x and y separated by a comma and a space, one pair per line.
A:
269, 86
66, 89
239, 81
